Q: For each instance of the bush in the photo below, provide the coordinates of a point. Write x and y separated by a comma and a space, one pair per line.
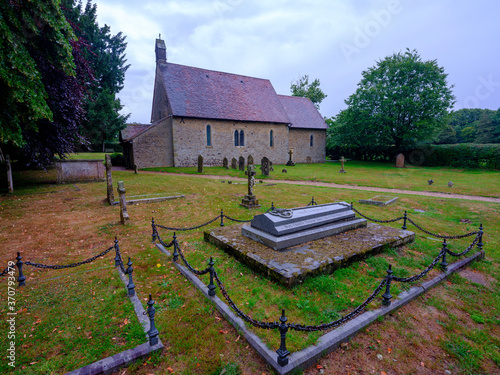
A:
469, 156
117, 159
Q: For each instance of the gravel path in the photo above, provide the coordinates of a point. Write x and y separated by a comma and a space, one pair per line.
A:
340, 186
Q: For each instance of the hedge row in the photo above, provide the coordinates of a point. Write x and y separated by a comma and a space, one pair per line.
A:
459, 156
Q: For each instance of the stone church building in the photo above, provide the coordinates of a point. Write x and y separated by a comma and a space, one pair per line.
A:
216, 115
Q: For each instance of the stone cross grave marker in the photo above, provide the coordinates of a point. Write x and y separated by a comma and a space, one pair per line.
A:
200, 164
290, 162
124, 218
234, 163
400, 161
250, 201
109, 179
225, 163
342, 161
241, 163
264, 166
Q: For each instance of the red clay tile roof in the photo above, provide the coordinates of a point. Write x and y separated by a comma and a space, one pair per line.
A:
302, 113
133, 130
195, 92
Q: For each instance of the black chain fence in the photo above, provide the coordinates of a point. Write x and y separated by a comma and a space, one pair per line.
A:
282, 325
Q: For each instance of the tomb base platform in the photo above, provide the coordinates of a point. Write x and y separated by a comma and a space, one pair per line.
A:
322, 256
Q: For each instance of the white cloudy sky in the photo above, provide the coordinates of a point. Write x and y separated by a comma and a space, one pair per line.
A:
333, 40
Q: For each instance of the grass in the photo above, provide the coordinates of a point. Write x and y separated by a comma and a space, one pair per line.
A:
372, 174
60, 224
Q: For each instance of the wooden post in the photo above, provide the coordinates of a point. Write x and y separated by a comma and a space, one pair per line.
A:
109, 179
9, 174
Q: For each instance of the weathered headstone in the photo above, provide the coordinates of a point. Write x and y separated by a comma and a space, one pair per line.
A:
290, 162
282, 228
234, 163
400, 161
225, 163
271, 168
10, 181
200, 164
241, 163
308, 160
250, 201
450, 184
136, 169
124, 218
264, 166
250, 160
342, 161
109, 179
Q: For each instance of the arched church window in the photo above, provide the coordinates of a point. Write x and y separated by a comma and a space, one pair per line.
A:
271, 138
311, 142
209, 135
242, 138
236, 138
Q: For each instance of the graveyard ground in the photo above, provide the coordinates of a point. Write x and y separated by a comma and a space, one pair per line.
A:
69, 318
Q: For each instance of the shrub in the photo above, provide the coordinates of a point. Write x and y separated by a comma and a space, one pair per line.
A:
117, 158
469, 156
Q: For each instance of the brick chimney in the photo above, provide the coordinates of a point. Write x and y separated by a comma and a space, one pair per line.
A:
160, 51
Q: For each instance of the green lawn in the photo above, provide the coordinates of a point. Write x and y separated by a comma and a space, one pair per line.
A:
474, 182
454, 327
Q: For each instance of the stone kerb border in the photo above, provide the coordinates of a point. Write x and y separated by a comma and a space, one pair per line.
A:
331, 340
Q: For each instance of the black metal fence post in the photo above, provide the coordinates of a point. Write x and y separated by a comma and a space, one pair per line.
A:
272, 206
211, 286
404, 221
480, 242
130, 286
153, 332
352, 206
386, 297
117, 253
154, 234
282, 351
221, 217
175, 254
21, 279
444, 263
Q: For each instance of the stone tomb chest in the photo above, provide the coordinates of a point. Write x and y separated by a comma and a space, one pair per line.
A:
282, 228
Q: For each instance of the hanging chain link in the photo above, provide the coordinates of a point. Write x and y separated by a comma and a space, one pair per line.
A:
440, 236
469, 248
241, 314
58, 267
190, 228
7, 270
344, 319
206, 270
421, 274
237, 220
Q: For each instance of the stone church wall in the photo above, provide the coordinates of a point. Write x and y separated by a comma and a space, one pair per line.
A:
153, 148
300, 143
190, 140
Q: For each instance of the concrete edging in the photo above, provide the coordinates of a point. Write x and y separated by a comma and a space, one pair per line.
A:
331, 340
122, 359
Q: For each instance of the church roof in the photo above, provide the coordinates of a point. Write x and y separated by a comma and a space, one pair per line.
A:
302, 113
196, 92
133, 130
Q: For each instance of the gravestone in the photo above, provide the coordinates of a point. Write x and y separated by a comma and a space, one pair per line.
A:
250, 160
200, 164
450, 184
308, 160
10, 181
282, 228
224, 163
250, 201
400, 161
234, 163
124, 218
271, 168
342, 161
241, 163
290, 162
264, 166
109, 179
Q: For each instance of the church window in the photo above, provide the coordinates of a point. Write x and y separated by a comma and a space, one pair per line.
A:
209, 135
236, 138
271, 138
242, 138
311, 143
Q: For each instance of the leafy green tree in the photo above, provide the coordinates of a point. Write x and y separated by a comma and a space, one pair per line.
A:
487, 129
400, 102
42, 80
468, 134
448, 135
303, 88
106, 56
